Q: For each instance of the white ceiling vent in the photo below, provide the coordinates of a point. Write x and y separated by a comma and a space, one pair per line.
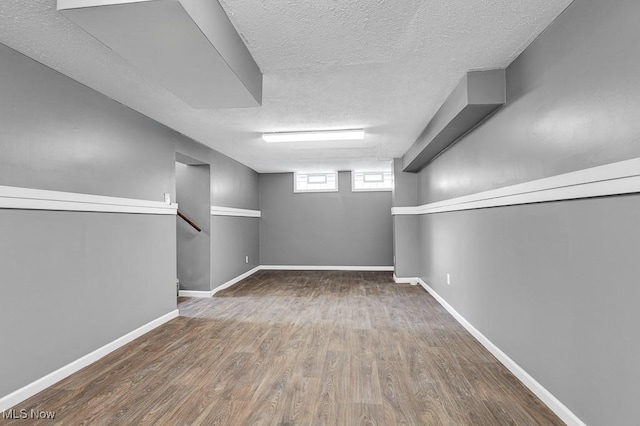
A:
187, 46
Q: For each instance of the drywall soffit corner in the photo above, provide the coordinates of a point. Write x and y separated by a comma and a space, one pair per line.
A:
476, 97
187, 46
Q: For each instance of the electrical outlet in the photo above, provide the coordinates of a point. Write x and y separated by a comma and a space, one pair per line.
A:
167, 198
448, 279
246, 259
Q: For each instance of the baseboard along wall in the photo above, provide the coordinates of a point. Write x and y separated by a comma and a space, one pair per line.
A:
202, 293
325, 268
196, 293
554, 404
54, 377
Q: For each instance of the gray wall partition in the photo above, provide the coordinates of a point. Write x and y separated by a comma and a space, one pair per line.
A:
324, 228
72, 282
554, 285
405, 190
232, 238
407, 249
232, 184
406, 244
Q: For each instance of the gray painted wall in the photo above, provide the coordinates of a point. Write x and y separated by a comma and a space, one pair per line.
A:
232, 238
332, 228
554, 285
193, 194
232, 184
406, 244
60, 135
407, 248
73, 282
572, 102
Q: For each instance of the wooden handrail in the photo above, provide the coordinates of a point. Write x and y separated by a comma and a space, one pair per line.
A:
189, 221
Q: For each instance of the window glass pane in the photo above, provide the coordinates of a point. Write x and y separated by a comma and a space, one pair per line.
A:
372, 181
316, 182
373, 177
317, 178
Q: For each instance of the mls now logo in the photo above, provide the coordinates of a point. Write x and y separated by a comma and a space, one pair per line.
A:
28, 414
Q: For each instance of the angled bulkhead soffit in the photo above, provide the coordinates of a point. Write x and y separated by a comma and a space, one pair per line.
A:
190, 47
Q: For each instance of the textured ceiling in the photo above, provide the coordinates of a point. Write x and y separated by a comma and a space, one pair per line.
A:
383, 65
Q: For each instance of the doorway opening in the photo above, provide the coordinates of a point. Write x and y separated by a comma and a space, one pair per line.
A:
193, 224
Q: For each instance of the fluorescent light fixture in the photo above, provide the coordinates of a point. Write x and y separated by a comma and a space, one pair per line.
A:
323, 135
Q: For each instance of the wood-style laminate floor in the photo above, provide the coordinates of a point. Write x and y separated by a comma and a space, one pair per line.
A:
299, 348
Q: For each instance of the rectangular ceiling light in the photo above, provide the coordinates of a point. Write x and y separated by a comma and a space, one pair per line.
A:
324, 135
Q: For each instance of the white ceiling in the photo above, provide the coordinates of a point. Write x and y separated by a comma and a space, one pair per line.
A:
382, 65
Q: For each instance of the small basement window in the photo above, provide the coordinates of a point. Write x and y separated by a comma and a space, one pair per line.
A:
315, 182
371, 181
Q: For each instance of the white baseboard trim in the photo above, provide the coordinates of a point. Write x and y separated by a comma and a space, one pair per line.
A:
326, 268
405, 280
204, 294
235, 280
40, 199
561, 410
618, 178
232, 211
196, 293
50, 379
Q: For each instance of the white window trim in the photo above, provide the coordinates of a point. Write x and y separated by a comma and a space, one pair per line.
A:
303, 191
353, 184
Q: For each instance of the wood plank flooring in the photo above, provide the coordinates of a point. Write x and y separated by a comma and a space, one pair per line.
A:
299, 348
